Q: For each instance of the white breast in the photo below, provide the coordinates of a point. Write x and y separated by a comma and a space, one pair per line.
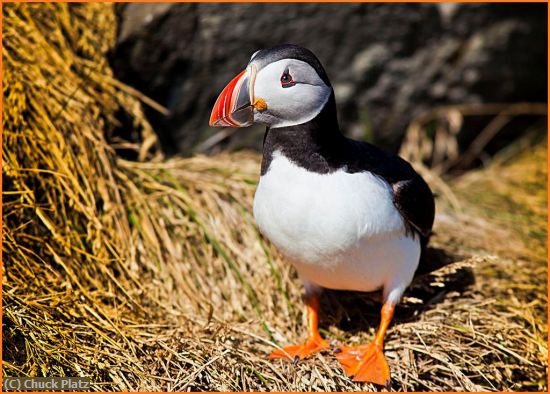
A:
340, 230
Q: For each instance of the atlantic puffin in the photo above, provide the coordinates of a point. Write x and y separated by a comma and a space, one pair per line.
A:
347, 214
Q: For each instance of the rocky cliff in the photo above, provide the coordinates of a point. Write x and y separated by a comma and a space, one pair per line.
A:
388, 62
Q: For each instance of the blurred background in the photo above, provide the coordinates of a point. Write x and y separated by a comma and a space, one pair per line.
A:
389, 63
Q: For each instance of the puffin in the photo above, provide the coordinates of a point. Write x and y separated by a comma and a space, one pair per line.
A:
345, 213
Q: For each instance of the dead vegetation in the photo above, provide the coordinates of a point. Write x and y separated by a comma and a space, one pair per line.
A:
152, 276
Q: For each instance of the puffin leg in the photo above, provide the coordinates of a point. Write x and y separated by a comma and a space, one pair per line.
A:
366, 363
314, 342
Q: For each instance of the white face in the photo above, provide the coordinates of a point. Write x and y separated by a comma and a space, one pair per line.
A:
293, 91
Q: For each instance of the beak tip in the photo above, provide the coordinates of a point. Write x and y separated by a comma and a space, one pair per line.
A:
214, 120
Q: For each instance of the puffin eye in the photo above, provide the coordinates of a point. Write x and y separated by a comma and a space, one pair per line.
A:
286, 79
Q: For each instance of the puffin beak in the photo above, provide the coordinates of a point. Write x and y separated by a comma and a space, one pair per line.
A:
233, 107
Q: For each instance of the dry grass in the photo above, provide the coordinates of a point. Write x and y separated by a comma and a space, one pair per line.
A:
152, 276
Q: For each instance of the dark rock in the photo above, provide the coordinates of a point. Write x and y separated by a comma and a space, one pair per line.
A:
387, 62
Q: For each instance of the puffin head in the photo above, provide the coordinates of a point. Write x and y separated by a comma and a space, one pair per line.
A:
281, 86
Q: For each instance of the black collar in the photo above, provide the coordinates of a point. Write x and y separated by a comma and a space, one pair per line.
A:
317, 145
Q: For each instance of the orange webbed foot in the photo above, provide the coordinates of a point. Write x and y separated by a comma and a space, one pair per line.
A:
301, 350
365, 363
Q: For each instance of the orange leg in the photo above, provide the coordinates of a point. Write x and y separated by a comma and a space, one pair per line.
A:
314, 342
367, 363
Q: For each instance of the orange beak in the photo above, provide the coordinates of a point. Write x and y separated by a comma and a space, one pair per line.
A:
233, 108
